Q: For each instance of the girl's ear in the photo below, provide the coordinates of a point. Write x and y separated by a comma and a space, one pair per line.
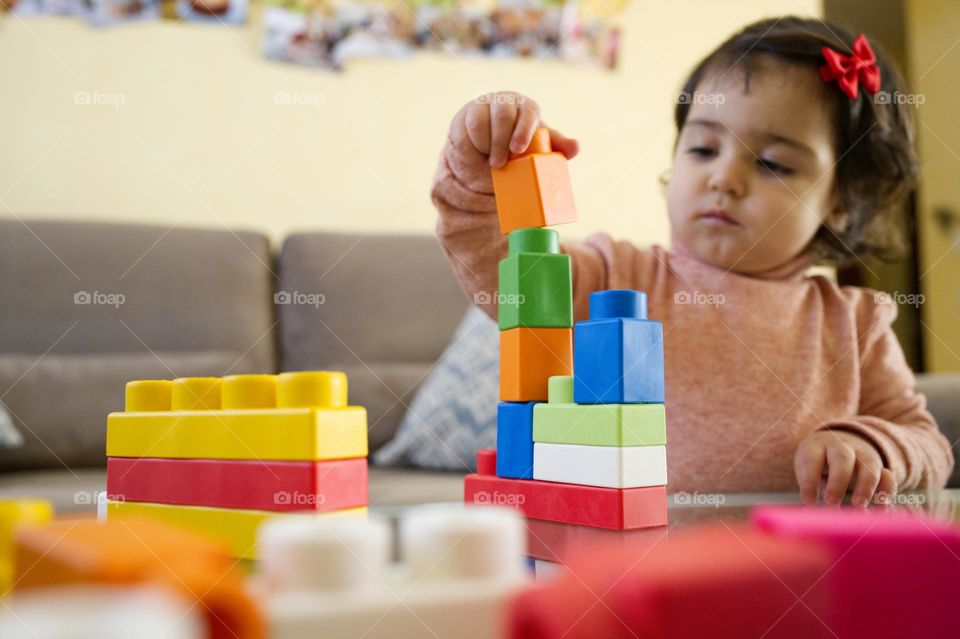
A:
837, 221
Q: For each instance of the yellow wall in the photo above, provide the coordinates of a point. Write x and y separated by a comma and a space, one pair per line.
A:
200, 138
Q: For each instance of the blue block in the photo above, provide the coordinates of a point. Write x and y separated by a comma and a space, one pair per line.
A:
515, 439
618, 352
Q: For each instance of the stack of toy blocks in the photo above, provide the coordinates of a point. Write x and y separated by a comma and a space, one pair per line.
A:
587, 448
606, 425
223, 455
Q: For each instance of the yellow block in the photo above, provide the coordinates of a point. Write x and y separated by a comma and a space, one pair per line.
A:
237, 528
312, 388
195, 393
286, 434
14, 512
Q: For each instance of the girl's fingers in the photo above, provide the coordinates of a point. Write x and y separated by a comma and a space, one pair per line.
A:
527, 123
503, 118
808, 464
568, 146
496, 125
868, 478
886, 487
477, 125
840, 462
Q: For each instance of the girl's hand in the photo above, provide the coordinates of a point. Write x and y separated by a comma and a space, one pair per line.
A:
847, 460
486, 130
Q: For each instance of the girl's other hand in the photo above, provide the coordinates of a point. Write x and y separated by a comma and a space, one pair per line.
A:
847, 460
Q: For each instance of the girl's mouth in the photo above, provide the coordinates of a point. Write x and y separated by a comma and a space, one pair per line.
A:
718, 217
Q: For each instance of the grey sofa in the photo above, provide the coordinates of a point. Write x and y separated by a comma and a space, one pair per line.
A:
216, 302
85, 307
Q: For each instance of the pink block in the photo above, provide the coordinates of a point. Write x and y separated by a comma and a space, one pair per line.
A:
717, 581
895, 574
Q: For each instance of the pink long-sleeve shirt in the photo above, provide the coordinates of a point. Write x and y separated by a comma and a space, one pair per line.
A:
752, 363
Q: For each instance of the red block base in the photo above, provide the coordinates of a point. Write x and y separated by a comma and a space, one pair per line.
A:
558, 542
281, 486
619, 509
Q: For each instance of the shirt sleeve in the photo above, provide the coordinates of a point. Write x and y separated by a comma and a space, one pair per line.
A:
893, 416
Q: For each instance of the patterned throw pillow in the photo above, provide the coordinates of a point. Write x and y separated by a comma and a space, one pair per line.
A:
455, 410
10, 437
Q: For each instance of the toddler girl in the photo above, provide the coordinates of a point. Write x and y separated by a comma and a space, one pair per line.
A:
784, 157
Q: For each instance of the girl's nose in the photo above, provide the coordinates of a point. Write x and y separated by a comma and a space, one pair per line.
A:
726, 177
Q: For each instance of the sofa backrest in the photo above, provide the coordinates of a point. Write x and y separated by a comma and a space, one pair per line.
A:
183, 289
89, 306
382, 308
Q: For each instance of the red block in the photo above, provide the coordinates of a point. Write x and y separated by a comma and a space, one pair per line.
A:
719, 581
487, 461
252, 484
907, 561
620, 509
558, 542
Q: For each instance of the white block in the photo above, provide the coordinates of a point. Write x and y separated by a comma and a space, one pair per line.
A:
306, 553
607, 466
546, 570
100, 612
460, 565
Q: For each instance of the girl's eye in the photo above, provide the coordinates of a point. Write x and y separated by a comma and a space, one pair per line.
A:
702, 151
774, 167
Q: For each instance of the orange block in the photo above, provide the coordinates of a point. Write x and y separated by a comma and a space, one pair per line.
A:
133, 551
533, 189
528, 357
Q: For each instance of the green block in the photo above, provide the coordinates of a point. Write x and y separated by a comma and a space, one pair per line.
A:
600, 424
535, 288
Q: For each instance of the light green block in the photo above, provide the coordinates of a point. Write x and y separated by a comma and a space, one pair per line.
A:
600, 424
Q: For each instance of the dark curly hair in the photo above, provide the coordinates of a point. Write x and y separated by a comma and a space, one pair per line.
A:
877, 163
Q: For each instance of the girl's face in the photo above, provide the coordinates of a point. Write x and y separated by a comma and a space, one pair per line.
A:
753, 171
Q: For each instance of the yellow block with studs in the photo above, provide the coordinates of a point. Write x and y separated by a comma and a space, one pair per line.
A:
300, 416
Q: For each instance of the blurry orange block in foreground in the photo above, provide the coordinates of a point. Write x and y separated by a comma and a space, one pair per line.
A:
133, 551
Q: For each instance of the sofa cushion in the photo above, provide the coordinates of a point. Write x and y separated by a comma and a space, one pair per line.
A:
943, 402
88, 287
60, 402
385, 389
10, 437
455, 411
380, 308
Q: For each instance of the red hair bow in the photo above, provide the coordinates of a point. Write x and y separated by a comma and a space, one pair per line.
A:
850, 70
